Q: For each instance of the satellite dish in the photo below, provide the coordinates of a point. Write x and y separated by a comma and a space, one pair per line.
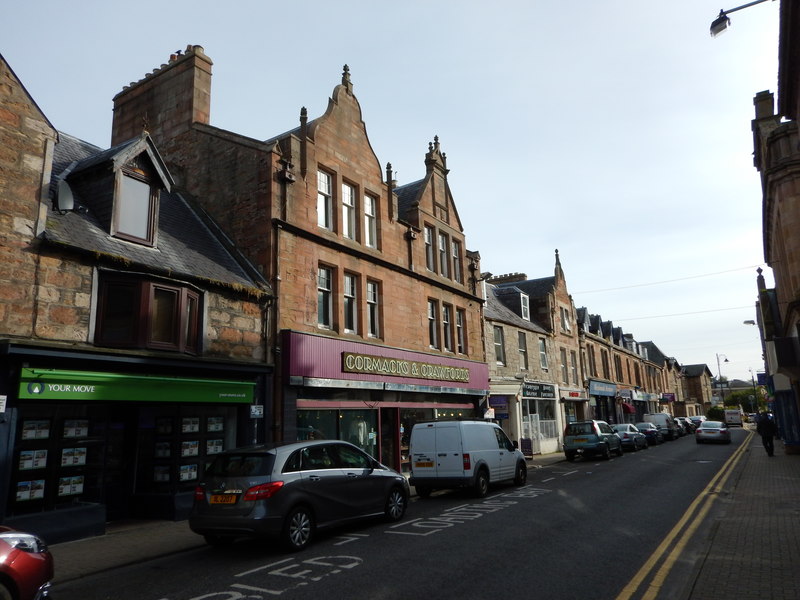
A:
65, 200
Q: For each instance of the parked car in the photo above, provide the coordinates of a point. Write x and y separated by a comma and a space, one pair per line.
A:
585, 438
651, 432
697, 419
713, 431
688, 425
463, 453
290, 490
632, 438
26, 566
680, 427
665, 423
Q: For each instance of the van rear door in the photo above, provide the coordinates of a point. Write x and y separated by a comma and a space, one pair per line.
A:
449, 458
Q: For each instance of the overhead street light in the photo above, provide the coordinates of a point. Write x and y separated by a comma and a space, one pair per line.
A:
719, 379
722, 22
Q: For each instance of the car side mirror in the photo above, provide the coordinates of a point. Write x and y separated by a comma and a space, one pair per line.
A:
515, 443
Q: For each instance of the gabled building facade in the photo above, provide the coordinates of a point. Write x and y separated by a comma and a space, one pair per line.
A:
553, 393
377, 322
130, 330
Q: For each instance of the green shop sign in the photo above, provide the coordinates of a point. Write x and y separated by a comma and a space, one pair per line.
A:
52, 384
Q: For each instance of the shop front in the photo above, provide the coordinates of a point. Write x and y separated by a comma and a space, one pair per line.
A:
575, 406
373, 395
82, 448
602, 395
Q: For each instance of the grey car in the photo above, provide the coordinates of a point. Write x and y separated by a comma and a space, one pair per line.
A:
287, 491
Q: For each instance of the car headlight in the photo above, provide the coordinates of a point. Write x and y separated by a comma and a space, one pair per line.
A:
24, 541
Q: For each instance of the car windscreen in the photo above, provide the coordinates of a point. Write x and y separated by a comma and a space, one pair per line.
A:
644, 426
241, 465
579, 429
712, 425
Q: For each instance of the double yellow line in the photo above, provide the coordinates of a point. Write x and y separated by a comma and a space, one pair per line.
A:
681, 533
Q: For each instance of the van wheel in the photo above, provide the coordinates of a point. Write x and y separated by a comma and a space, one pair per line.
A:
395, 505
423, 491
298, 529
481, 483
521, 475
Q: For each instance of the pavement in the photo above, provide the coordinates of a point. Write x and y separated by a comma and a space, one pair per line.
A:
753, 550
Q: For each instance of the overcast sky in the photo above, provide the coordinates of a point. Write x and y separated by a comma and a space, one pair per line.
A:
616, 131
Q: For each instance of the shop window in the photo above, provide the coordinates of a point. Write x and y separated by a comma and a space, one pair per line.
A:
136, 313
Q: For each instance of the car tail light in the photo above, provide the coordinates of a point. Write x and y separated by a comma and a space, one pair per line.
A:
467, 462
199, 493
625, 436
260, 492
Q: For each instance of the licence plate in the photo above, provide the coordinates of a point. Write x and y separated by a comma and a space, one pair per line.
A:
423, 464
581, 440
223, 499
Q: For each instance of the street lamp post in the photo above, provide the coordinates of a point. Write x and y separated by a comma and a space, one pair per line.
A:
719, 379
754, 396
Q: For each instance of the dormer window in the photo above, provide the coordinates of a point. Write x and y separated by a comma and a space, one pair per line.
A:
525, 303
135, 204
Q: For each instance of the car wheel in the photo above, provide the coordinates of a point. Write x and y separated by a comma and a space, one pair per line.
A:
212, 540
423, 491
606, 452
620, 450
5, 594
570, 456
481, 483
521, 476
298, 528
395, 505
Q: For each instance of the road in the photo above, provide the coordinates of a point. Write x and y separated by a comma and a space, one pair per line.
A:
586, 530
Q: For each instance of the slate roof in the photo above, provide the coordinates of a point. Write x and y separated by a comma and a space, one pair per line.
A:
695, 370
495, 310
535, 288
188, 243
407, 195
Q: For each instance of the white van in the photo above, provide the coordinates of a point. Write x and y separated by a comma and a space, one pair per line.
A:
665, 424
733, 417
450, 454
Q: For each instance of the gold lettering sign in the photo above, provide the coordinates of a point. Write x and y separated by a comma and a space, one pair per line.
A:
397, 367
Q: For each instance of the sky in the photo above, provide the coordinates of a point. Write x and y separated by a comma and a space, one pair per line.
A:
617, 132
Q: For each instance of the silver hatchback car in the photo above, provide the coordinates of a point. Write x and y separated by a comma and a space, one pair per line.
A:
287, 491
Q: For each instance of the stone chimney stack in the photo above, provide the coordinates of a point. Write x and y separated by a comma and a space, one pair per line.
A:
167, 101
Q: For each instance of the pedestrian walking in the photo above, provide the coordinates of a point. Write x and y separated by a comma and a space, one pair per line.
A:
767, 429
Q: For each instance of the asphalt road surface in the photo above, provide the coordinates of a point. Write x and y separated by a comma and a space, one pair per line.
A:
590, 529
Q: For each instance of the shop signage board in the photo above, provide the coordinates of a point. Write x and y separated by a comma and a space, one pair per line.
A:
54, 384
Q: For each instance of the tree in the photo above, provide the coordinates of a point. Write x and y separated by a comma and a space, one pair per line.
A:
716, 413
